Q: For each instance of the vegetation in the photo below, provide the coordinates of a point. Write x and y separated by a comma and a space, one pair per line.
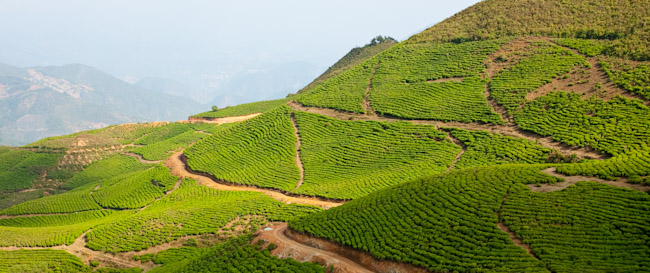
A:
59, 230
633, 78
446, 101
38, 261
444, 223
356, 56
349, 159
344, 91
163, 149
634, 164
19, 168
546, 61
190, 210
10, 198
243, 109
484, 149
55, 219
589, 48
135, 190
51, 261
236, 255
259, 151
588, 227
106, 169
622, 21
75, 200
614, 127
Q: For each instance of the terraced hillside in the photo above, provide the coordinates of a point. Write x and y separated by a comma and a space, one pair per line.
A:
487, 143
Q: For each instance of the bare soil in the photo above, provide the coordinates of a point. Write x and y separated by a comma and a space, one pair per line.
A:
224, 119
289, 248
141, 159
301, 168
572, 180
366, 99
180, 169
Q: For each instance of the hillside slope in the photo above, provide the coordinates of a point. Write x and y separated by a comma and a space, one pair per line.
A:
488, 143
46, 101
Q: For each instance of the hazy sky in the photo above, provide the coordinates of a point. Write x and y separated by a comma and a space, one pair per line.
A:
138, 38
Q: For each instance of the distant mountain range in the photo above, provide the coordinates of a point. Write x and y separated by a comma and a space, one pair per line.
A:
39, 102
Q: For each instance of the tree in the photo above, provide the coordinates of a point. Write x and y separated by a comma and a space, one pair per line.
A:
215, 108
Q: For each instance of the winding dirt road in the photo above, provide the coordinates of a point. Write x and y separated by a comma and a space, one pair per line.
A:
288, 248
178, 168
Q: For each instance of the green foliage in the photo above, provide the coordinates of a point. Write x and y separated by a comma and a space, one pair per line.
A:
243, 109
546, 61
63, 229
484, 148
105, 169
75, 200
259, 151
136, 189
623, 21
19, 168
349, 159
190, 210
356, 56
55, 220
163, 133
8, 199
236, 255
633, 78
445, 223
446, 101
39, 261
615, 126
589, 48
344, 91
164, 148
634, 163
588, 227
413, 63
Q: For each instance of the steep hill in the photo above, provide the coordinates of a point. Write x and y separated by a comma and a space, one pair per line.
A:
488, 143
354, 57
46, 101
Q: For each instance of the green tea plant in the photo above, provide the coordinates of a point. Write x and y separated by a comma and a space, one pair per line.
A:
616, 126
243, 109
589, 227
235, 255
19, 168
589, 48
136, 189
633, 78
75, 200
105, 169
632, 164
446, 101
484, 148
259, 151
38, 261
344, 91
190, 210
349, 159
444, 223
546, 61
55, 220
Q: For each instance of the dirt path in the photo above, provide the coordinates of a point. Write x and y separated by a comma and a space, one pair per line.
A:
141, 159
366, 99
178, 168
572, 180
79, 249
460, 154
301, 168
223, 120
288, 248
512, 131
503, 227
